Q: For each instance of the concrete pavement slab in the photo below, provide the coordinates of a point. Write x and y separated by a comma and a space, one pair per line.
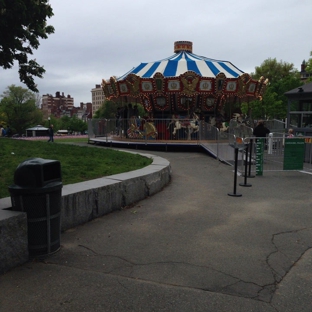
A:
190, 247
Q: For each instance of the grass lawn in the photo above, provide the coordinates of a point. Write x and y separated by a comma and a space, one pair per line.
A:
78, 163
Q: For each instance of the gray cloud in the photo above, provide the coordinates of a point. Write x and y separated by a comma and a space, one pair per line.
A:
98, 39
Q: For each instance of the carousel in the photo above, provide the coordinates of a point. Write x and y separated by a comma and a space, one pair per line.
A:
184, 88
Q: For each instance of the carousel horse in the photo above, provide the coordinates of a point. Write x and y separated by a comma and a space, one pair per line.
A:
241, 119
191, 125
150, 130
222, 126
134, 132
194, 123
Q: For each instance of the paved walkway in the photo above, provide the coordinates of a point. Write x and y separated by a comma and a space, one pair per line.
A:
190, 247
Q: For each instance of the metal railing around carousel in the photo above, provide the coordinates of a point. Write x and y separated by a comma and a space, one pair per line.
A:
155, 130
276, 152
183, 131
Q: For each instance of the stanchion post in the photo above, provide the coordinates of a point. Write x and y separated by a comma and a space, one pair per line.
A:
246, 164
234, 194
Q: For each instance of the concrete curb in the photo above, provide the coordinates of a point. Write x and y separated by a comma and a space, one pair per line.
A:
82, 202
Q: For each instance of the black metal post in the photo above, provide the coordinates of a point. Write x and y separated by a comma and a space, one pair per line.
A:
235, 175
246, 164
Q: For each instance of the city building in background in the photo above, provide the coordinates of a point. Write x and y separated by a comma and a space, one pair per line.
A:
61, 105
98, 97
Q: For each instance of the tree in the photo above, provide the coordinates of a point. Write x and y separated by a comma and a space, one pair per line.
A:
77, 125
71, 124
282, 78
274, 70
309, 67
107, 110
22, 24
18, 109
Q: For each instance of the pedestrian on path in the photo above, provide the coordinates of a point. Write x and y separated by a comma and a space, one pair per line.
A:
261, 131
51, 133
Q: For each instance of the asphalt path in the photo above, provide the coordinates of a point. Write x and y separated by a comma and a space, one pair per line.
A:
190, 247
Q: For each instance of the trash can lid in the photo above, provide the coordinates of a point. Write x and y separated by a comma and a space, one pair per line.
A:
37, 172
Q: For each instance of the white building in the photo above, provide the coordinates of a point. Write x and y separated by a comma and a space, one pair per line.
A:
98, 98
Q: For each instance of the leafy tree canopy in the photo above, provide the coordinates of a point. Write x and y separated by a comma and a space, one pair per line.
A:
72, 124
274, 70
282, 78
18, 109
108, 110
22, 24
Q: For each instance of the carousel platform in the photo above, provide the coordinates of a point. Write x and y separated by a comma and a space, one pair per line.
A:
220, 150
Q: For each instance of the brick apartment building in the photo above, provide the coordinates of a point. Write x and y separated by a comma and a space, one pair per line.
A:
61, 105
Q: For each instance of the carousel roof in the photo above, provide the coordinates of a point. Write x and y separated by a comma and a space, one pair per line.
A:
184, 74
182, 62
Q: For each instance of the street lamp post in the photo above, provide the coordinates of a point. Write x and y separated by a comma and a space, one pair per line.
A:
49, 118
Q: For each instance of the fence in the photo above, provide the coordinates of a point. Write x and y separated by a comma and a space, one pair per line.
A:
200, 132
154, 130
277, 153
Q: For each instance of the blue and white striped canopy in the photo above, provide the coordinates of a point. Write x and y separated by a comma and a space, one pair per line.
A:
182, 62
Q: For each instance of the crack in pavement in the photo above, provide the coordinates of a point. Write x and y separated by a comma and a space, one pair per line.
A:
289, 247
166, 272
288, 252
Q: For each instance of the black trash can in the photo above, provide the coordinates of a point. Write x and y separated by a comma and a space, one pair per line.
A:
38, 192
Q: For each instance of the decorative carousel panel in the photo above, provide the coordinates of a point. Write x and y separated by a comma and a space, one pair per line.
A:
159, 84
208, 103
146, 104
113, 83
220, 83
251, 87
133, 83
173, 85
245, 78
189, 81
108, 90
206, 85
231, 86
146, 86
262, 83
161, 103
123, 88
185, 103
172, 99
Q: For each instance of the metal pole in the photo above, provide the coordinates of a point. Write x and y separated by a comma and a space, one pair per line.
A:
235, 175
245, 176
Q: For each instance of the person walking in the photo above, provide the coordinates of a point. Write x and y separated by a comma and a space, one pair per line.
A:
51, 133
261, 131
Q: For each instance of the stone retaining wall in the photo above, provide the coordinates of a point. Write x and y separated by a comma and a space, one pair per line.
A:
82, 202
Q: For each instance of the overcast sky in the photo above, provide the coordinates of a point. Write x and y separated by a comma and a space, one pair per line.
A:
96, 39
